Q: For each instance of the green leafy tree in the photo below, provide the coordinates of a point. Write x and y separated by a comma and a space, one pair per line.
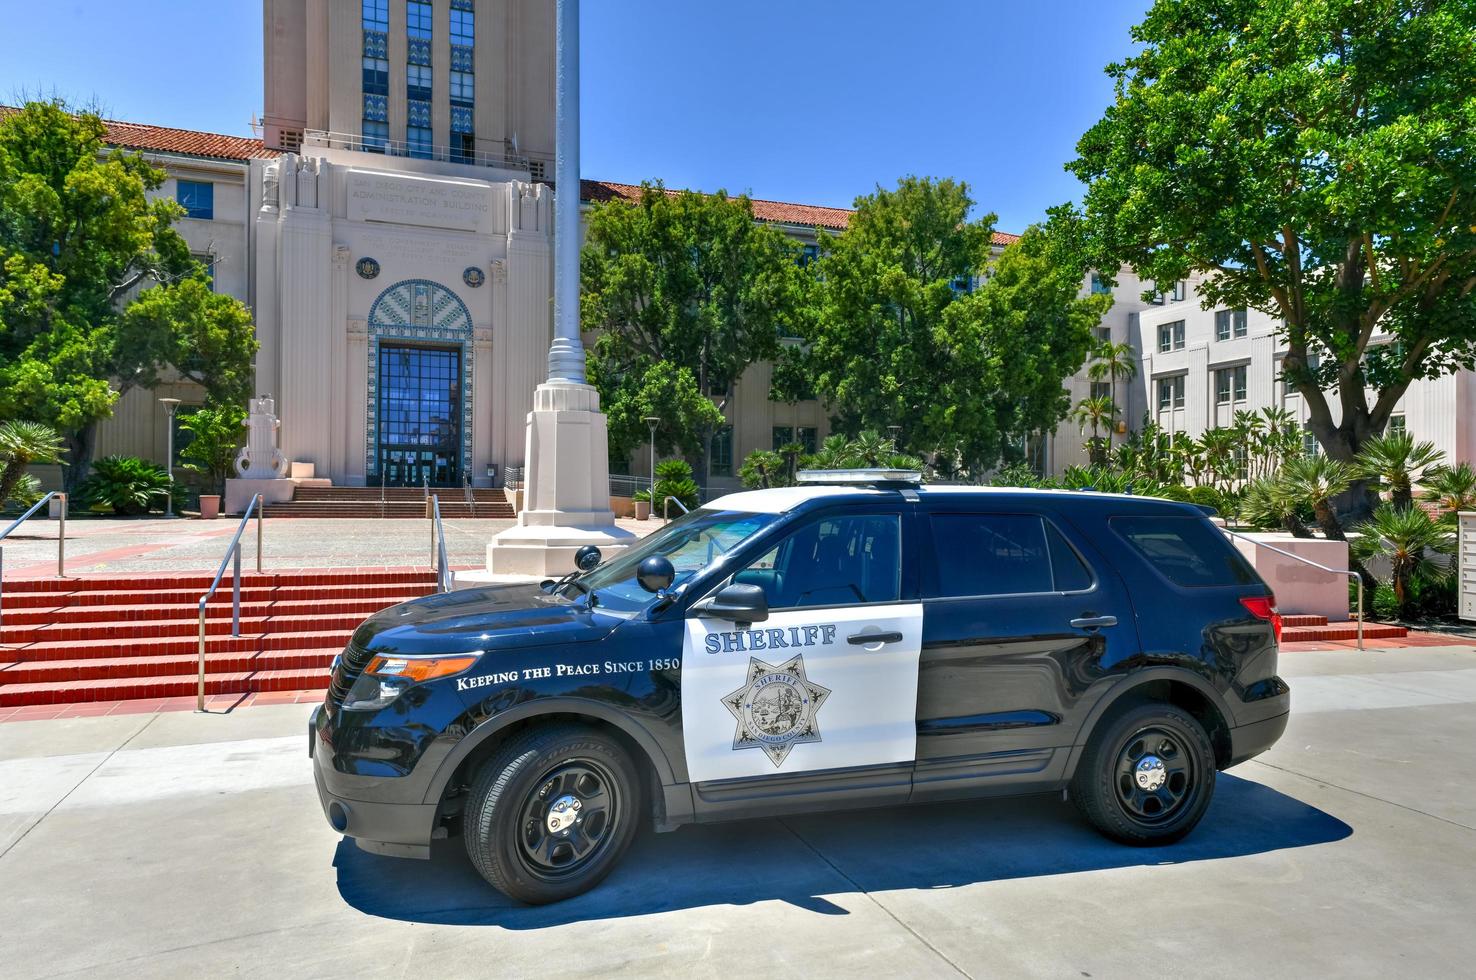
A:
763, 469
1452, 489
1406, 538
901, 337
1313, 159
218, 433
79, 238
1396, 461
687, 291
1095, 414
1112, 362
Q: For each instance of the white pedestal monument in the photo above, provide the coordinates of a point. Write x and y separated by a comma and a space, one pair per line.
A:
260, 464
567, 470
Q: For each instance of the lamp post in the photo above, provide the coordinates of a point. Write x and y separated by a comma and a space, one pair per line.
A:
171, 405
653, 421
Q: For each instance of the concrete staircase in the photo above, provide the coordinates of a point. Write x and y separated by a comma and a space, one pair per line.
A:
364, 502
64, 641
1300, 629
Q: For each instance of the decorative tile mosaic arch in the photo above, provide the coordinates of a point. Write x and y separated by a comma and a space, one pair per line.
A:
419, 310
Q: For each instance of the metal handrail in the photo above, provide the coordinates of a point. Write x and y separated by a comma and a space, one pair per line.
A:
1307, 561
666, 507
468, 495
439, 562
61, 539
258, 505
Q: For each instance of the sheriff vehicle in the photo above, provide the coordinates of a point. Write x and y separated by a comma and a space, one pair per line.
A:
858, 640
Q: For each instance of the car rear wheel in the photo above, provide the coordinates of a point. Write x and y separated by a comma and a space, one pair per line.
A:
551, 812
1147, 776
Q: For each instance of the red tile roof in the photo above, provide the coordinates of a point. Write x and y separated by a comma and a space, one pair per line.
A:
781, 212
189, 142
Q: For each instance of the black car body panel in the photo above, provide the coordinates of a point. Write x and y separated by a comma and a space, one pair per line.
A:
1009, 686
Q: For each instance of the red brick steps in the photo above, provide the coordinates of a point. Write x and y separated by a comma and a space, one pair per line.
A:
111, 638
400, 502
1304, 628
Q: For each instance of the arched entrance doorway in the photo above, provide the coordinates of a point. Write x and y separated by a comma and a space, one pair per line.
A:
420, 397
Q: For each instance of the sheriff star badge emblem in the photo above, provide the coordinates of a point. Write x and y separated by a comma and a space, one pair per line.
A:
776, 708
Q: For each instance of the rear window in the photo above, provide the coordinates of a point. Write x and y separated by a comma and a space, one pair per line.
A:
1003, 554
1188, 551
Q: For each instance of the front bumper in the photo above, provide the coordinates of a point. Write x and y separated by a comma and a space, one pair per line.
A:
391, 829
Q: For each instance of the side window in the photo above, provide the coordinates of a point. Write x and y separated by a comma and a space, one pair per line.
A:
1187, 551
834, 561
1003, 554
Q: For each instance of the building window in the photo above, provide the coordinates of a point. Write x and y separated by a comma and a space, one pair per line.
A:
1103, 334
783, 435
463, 87
418, 20
1171, 336
1309, 444
1396, 425
720, 460
808, 254
197, 197
1156, 299
1171, 392
1102, 389
376, 15
1230, 385
418, 82
807, 436
376, 134
418, 129
463, 26
1242, 463
1100, 288
1181, 291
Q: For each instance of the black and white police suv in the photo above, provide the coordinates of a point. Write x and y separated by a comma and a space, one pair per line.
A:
859, 640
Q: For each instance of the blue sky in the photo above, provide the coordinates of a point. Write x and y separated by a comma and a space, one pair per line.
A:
814, 102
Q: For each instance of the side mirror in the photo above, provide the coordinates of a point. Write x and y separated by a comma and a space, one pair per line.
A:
656, 574
739, 602
586, 558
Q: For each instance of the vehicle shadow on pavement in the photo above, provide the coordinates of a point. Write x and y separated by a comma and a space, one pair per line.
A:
798, 859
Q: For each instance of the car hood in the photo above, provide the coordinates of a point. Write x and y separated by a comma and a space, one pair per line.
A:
503, 617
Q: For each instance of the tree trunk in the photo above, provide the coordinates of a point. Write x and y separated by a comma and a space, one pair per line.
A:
1295, 527
80, 445
1327, 519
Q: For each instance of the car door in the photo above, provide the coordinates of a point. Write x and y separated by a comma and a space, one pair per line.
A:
1019, 612
829, 680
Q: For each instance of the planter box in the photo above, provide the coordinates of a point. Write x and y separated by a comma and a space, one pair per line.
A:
209, 506
1301, 590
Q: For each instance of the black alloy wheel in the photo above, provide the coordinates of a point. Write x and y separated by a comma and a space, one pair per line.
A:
1147, 775
567, 819
551, 811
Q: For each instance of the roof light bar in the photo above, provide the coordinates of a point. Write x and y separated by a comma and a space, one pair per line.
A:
859, 477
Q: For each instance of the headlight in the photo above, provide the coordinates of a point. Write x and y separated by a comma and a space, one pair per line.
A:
386, 678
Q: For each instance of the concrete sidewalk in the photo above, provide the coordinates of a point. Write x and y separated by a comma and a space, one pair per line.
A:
173, 844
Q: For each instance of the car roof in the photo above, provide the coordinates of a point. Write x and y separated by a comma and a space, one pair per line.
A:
782, 500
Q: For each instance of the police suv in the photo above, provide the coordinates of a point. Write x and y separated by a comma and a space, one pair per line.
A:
859, 640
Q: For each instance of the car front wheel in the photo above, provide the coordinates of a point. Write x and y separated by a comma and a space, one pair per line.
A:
551, 812
1147, 776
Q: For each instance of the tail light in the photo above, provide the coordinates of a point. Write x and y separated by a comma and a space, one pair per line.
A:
1264, 607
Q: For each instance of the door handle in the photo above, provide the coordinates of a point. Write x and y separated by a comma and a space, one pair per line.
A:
866, 639
1093, 622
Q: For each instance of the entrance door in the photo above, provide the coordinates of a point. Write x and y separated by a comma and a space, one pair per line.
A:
420, 415
829, 680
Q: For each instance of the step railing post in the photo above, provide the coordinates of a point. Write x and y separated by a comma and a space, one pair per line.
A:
200, 682
61, 538
236, 594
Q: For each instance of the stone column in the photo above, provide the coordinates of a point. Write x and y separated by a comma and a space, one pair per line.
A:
567, 475
355, 408
338, 369
304, 275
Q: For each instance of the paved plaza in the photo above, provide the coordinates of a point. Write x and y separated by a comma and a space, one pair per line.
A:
177, 844
100, 546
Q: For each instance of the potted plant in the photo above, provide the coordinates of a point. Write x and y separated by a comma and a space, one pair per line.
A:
641, 501
216, 437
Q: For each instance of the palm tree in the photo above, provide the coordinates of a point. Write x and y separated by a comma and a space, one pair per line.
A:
1095, 413
1271, 503
1219, 446
1110, 362
1396, 460
1450, 488
834, 454
21, 445
1407, 538
870, 448
1317, 480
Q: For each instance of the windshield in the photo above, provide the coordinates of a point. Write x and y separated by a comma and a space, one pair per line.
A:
690, 543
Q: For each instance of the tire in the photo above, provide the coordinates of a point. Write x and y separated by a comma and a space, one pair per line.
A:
1147, 776
551, 813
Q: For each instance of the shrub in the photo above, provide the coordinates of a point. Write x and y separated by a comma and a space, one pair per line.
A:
21, 445
674, 479
218, 434
26, 491
125, 484
763, 469
1410, 541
